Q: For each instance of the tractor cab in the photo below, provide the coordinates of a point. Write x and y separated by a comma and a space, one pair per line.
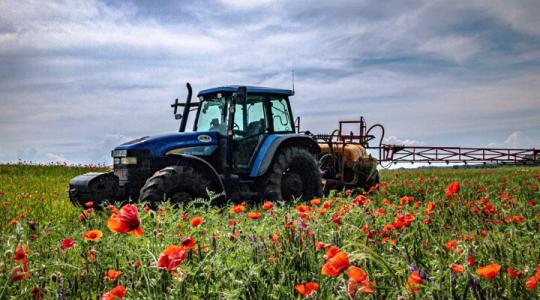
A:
262, 112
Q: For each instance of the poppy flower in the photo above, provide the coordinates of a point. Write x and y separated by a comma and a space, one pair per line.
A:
237, 209
531, 283
91, 254
365, 287
302, 208
457, 268
21, 252
356, 274
126, 221
112, 274
19, 275
452, 189
253, 215
319, 246
196, 221
513, 273
315, 202
188, 243
267, 205
119, 292
67, 243
489, 272
306, 289
14, 222
331, 252
451, 245
171, 257
93, 235
336, 265
89, 204
414, 282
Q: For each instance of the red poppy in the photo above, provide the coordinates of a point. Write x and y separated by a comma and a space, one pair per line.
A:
457, 268
489, 272
319, 246
126, 221
315, 202
302, 208
119, 292
91, 254
19, 275
67, 243
331, 252
89, 204
196, 221
188, 243
237, 209
171, 257
112, 274
452, 189
306, 289
451, 245
267, 205
531, 283
254, 215
20, 254
356, 274
414, 282
336, 265
513, 273
365, 287
93, 235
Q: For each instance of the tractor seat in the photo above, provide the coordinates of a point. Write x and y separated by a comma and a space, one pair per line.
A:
255, 128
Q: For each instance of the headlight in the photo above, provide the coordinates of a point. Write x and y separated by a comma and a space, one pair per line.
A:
128, 160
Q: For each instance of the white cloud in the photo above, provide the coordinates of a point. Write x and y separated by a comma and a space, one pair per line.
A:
393, 140
56, 158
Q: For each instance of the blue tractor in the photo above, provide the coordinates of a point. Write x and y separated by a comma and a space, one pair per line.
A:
244, 145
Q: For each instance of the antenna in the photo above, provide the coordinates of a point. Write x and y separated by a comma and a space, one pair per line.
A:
292, 71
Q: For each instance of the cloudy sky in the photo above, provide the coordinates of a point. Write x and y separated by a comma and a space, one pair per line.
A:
79, 77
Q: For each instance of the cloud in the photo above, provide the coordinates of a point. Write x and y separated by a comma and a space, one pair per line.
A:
78, 77
56, 158
392, 140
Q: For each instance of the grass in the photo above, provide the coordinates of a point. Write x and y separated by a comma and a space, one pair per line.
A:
491, 219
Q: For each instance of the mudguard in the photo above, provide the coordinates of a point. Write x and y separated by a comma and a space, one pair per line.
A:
273, 143
201, 164
95, 187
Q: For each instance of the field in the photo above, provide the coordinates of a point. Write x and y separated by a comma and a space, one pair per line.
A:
461, 234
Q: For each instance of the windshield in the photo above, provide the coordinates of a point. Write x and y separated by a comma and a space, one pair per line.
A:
213, 115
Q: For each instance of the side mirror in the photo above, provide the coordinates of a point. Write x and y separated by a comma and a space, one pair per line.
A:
241, 95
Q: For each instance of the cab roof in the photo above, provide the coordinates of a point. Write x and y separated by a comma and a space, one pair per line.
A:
250, 89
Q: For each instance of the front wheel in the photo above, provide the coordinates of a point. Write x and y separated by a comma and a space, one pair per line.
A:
176, 184
293, 174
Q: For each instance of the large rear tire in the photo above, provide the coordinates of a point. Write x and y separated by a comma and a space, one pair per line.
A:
176, 184
294, 173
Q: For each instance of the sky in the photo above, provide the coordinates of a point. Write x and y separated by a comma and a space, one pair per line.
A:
78, 78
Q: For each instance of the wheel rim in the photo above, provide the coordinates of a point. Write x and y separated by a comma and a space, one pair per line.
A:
291, 185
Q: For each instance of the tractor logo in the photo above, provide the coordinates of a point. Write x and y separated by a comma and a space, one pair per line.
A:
203, 138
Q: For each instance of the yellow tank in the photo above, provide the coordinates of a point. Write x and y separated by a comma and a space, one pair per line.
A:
351, 153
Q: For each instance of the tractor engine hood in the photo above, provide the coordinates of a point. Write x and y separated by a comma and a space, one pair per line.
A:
193, 143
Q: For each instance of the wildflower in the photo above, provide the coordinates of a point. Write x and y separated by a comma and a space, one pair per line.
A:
67, 243
267, 205
253, 215
513, 273
414, 282
237, 209
319, 246
171, 257
37, 292
17, 275
470, 261
89, 204
112, 274
306, 289
93, 235
357, 274
117, 292
188, 243
531, 283
20, 254
315, 202
452, 189
336, 265
331, 252
196, 221
91, 254
358, 282
451, 245
457, 268
14, 222
126, 221
360, 200
489, 272
302, 208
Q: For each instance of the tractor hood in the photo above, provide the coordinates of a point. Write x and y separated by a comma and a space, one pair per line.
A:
194, 143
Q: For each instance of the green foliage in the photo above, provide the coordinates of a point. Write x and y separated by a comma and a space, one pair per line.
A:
265, 258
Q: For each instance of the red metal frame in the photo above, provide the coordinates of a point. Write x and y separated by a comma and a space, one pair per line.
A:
426, 154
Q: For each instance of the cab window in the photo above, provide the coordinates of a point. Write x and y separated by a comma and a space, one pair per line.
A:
280, 115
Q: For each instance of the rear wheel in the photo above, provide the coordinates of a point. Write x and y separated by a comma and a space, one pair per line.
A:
176, 184
294, 173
